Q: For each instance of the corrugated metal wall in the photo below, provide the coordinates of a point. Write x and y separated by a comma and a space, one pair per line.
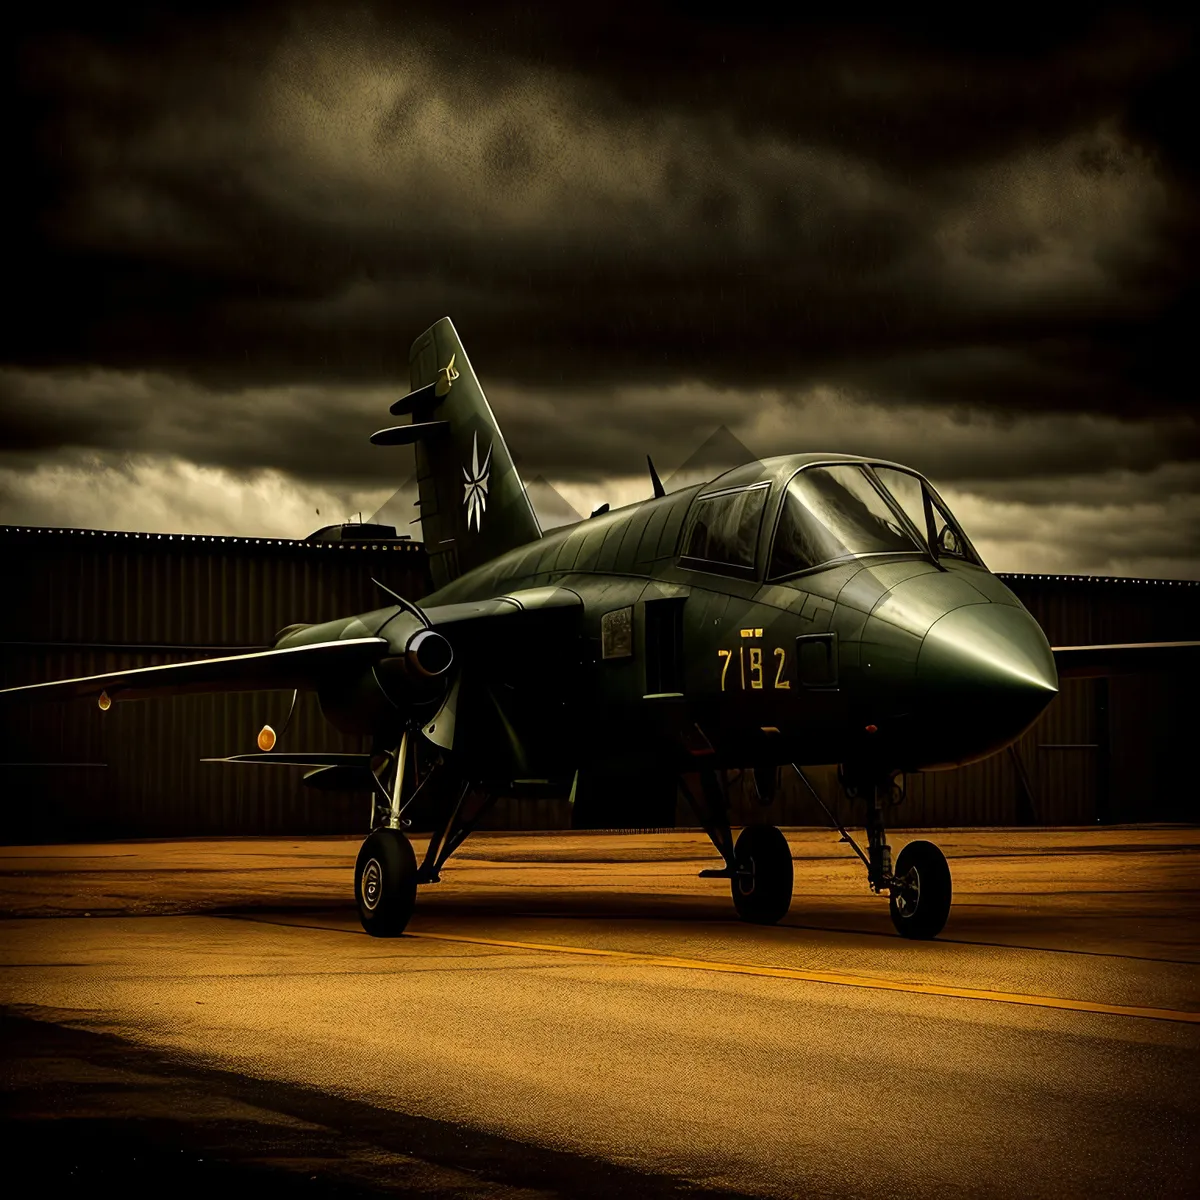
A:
77, 602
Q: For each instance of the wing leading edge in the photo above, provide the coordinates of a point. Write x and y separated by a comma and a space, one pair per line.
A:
264, 670
1093, 662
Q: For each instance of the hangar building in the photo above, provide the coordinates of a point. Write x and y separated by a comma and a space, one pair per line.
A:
81, 601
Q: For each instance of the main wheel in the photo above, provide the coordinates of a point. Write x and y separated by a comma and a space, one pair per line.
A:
762, 889
919, 909
385, 883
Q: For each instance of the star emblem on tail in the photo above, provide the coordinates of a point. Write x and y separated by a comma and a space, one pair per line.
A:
476, 486
446, 377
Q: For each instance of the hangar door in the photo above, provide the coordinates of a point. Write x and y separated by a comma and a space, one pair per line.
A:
1066, 753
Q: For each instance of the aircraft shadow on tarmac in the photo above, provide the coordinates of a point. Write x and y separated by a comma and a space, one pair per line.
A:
1081, 927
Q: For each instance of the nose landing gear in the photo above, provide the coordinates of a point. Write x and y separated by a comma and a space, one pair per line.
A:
921, 891
919, 887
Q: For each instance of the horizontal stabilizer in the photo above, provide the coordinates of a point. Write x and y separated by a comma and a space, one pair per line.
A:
406, 435
1129, 658
408, 404
298, 667
281, 759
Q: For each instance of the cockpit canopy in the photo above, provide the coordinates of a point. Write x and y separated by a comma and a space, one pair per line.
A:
829, 512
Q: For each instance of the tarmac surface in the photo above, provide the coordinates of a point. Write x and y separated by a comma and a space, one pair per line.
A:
580, 1015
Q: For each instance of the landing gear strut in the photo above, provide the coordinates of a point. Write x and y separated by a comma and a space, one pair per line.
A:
919, 887
461, 816
386, 873
758, 866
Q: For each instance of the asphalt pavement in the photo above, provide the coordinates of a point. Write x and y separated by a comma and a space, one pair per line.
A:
580, 1015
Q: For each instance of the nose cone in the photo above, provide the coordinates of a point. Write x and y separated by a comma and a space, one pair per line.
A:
988, 673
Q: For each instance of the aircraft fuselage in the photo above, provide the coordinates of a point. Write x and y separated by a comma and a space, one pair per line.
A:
909, 660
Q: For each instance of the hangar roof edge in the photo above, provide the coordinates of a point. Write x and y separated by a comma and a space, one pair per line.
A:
54, 532
1084, 580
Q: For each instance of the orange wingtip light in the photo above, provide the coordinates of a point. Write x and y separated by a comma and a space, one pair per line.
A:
105, 701
266, 739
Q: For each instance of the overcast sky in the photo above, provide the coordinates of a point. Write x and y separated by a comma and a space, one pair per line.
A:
972, 248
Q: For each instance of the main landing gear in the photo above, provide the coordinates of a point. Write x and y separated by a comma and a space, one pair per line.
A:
386, 874
758, 865
385, 882
919, 887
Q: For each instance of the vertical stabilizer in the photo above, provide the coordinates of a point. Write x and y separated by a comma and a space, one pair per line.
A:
473, 503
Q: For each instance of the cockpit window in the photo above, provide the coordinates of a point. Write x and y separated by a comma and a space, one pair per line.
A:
724, 528
925, 509
908, 491
831, 513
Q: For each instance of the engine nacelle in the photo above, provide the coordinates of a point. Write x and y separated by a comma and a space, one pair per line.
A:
411, 677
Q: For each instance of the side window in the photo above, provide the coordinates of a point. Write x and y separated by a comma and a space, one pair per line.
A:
724, 529
919, 501
948, 540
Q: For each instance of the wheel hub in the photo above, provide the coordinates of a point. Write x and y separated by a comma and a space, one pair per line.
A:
745, 877
372, 885
908, 894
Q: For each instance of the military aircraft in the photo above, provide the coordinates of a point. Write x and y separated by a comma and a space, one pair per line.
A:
801, 610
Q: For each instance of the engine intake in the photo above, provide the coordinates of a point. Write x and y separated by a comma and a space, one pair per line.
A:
429, 653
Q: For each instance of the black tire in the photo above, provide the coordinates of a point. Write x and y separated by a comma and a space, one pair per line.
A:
765, 894
385, 883
924, 914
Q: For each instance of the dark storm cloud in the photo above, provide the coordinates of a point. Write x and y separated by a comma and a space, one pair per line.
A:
275, 200
611, 431
967, 245
318, 433
315, 434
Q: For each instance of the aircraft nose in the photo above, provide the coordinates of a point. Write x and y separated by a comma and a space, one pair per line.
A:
992, 670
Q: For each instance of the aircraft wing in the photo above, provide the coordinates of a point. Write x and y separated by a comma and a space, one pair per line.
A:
449, 618
263, 670
1130, 658
278, 758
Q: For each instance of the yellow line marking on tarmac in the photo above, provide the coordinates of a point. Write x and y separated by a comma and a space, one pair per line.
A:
831, 977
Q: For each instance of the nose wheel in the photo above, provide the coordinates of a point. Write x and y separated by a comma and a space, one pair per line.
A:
921, 891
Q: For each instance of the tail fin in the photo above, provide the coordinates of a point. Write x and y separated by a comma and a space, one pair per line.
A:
473, 503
